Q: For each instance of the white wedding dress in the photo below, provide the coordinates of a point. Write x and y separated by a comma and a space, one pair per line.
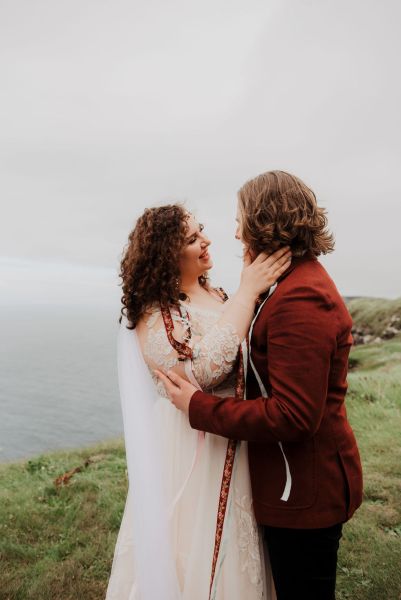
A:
191, 469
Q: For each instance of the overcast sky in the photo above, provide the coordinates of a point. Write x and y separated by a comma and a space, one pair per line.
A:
109, 107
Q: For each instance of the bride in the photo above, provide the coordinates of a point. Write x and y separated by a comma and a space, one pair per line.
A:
188, 531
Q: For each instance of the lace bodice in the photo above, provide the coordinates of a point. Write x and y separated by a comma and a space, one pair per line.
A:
215, 347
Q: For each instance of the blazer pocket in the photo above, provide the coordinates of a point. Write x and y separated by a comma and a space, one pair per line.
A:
353, 482
301, 460
291, 483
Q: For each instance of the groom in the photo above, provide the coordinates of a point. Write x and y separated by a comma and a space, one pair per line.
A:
303, 458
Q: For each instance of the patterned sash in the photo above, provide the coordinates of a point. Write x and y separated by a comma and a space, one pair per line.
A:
227, 475
183, 350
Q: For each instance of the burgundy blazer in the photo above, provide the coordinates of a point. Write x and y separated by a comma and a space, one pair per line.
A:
303, 458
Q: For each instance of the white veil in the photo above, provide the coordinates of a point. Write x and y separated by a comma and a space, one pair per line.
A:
155, 575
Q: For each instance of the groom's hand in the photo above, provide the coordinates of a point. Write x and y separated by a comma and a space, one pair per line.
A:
178, 389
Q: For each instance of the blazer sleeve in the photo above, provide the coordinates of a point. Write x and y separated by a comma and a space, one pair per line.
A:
301, 338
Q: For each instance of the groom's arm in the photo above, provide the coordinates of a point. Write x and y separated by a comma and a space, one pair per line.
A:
301, 338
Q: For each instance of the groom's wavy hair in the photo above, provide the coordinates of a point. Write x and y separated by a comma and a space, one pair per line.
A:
149, 267
279, 209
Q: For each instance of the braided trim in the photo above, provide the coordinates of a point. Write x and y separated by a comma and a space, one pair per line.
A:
183, 350
227, 475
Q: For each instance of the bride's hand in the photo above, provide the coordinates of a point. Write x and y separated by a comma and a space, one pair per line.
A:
258, 276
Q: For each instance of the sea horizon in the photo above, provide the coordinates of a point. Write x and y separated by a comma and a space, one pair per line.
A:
58, 379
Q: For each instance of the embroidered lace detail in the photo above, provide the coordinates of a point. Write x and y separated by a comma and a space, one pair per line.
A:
248, 541
158, 348
201, 319
215, 347
215, 355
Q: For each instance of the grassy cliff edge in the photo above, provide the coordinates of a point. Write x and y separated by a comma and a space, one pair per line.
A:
57, 542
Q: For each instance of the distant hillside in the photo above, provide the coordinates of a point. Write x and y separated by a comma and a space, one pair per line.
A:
376, 316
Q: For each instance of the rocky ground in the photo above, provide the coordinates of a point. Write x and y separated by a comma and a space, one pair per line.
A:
374, 319
363, 336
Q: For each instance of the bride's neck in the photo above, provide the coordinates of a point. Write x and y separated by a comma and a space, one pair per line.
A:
191, 286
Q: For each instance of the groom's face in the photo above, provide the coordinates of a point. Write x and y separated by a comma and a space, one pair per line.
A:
239, 225
238, 235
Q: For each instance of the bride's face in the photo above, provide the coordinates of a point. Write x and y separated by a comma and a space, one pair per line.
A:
195, 258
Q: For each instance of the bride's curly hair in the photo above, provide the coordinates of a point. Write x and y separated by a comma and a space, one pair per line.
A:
149, 267
279, 209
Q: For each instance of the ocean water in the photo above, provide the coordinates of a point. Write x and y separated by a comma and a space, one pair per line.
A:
58, 378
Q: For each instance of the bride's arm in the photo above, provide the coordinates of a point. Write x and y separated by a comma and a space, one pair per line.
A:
256, 278
215, 353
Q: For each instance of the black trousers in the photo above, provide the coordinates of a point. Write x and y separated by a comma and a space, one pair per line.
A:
304, 561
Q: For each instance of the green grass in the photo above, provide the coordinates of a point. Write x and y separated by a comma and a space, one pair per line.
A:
57, 543
370, 555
